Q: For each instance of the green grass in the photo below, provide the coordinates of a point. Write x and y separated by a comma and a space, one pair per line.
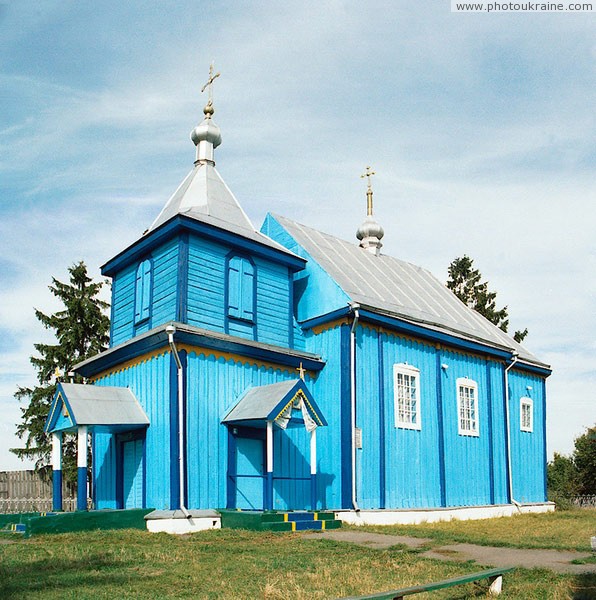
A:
239, 564
565, 530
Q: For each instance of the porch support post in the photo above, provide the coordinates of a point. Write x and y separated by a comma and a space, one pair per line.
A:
57, 471
313, 469
82, 467
269, 484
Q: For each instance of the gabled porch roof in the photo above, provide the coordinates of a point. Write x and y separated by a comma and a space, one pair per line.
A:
111, 408
270, 402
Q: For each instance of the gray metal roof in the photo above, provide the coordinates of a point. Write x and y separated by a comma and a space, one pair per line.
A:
204, 196
103, 405
258, 402
398, 288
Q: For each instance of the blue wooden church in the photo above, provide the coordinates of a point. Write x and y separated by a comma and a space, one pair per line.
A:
288, 369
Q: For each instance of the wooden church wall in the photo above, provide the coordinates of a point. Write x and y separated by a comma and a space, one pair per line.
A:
469, 460
149, 380
409, 468
528, 448
215, 383
206, 304
164, 263
331, 391
408, 472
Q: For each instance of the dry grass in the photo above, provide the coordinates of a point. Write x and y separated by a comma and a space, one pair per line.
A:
563, 530
234, 564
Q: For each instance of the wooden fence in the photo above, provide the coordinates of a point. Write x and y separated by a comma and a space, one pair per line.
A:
27, 491
585, 501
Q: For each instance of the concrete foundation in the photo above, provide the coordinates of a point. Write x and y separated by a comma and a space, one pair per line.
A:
434, 515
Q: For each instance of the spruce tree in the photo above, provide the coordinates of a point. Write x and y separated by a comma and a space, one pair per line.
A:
81, 330
466, 282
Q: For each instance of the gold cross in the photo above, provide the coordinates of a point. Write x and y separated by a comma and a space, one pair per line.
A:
368, 175
209, 83
302, 371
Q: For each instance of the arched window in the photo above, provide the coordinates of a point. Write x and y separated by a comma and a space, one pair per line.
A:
143, 292
241, 289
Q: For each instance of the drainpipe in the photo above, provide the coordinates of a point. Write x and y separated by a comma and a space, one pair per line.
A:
514, 358
170, 330
354, 306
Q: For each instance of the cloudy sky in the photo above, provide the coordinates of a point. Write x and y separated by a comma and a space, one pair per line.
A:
481, 128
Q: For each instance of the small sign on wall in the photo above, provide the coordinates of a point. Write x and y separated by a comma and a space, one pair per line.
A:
358, 437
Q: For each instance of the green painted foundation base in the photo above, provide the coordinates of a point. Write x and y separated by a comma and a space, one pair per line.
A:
278, 521
28, 524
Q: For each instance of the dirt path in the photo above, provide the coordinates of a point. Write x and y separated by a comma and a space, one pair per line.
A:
555, 560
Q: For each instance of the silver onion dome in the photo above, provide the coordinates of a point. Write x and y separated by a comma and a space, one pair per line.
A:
206, 136
370, 229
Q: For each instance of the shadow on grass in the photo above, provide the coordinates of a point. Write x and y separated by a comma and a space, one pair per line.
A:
95, 570
585, 587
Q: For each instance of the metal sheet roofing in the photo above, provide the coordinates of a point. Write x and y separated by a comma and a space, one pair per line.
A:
265, 402
203, 195
398, 288
99, 405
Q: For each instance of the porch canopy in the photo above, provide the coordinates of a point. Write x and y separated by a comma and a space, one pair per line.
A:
78, 408
278, 403
274, 404
111, 408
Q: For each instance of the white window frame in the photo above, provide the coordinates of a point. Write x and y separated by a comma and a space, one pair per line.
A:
526, 402
414, 421
472, 418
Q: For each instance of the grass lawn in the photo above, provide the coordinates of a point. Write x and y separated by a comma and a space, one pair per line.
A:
239, 564
564, 530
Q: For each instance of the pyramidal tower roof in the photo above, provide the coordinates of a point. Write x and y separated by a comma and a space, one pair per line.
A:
203, 194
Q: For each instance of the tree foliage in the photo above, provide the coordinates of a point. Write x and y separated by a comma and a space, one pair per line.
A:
584, 458
81, 330
466, 282
569, 476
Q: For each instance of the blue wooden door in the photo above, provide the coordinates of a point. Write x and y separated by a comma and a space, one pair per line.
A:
132, 474
250, 459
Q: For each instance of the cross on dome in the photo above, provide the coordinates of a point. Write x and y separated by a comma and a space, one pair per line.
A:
209, 86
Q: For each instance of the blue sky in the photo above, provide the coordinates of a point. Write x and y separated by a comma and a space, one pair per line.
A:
481, 128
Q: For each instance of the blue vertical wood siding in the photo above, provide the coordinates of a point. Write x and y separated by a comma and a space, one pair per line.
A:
528, 449
412, 457
291, 467
467, 465
132, 474
163, 290
123, 305
105, 470
207, 295
214, 385
333, 398
150, 382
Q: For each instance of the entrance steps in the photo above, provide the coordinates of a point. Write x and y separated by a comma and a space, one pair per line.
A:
297, 520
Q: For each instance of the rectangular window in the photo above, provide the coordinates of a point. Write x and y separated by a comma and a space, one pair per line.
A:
406, 389
526, 415
467, 407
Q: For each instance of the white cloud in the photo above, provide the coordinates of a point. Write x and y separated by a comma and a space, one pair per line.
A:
481, 130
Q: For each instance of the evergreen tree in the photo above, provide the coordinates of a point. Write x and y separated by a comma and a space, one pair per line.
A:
466, 282
81, 330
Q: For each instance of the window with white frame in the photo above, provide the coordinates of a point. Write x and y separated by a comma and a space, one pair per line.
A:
526, 415
406, 389
467, 407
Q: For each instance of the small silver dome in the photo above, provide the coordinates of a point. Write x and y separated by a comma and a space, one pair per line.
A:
370, 229
206, 131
